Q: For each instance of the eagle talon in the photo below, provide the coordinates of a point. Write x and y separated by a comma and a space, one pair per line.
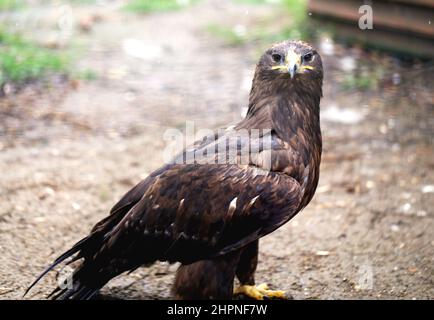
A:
260, 292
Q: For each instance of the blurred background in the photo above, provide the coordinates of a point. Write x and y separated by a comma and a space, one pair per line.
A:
88, 87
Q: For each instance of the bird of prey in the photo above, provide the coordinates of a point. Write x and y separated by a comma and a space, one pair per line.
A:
209, 215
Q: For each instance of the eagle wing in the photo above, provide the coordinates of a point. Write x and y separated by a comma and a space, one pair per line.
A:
188, 211
192, 211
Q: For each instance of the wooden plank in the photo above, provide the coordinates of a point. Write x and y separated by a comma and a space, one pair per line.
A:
401, 43
396, 16
422, 3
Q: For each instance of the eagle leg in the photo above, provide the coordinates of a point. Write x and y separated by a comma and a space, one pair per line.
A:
206, 279
259, 292
246, 275
247, 264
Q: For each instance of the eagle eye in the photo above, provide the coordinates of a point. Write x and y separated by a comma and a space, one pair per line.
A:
276, 57
308, 57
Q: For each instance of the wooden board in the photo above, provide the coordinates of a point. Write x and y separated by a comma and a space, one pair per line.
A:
397, 15
400, 43
422, 3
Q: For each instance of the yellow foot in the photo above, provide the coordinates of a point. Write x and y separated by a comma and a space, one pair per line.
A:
260, 292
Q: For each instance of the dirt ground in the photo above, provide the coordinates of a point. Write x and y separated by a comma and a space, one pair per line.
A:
69, 150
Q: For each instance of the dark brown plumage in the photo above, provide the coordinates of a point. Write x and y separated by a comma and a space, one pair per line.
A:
210, 216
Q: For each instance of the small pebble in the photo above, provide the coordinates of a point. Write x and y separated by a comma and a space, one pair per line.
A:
428, 189
394, 228
75, 206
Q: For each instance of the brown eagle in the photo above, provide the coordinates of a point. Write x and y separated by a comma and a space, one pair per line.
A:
209, 215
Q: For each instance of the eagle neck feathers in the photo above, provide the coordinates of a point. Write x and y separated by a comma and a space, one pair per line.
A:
291, 109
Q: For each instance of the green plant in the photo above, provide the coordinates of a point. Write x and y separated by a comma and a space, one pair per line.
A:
297, 27
87, 74
297, 9
157, 5
360, 81
21, 60
229, 35
10, 4
257, 1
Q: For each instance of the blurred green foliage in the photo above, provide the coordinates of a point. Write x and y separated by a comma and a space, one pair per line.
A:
298, 25
297, 9
87, 74
10, 4
257, 1
228, 34
21, 60
157, 5
361, 81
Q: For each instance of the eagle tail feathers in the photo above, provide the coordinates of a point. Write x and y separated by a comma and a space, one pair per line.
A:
80, 290
75, 248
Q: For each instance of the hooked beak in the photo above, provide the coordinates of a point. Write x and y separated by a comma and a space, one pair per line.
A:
292, 62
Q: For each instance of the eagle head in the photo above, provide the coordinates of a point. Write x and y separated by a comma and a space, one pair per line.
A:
294, 61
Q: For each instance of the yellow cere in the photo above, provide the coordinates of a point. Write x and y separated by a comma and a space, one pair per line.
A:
307, 67
278, 67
